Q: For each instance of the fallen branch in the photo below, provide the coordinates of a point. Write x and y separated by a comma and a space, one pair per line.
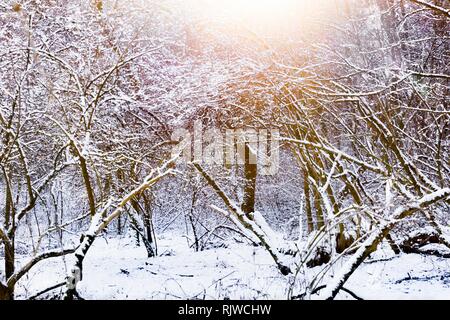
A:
303, 295
56, 286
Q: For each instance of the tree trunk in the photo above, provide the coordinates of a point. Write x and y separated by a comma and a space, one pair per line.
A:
8, 292
309, 216
250, 172
86, 179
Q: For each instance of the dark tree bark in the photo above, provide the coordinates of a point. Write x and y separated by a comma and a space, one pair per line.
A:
250, 173
5, 293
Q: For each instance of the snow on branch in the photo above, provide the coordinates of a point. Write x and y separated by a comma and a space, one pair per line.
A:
377, 237
433, 7
101, 220
336, 152
256, 225
3, 235
30, 264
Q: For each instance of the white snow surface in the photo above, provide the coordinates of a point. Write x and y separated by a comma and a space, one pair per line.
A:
115, 268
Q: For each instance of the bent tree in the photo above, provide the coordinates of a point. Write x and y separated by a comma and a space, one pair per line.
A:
102, 219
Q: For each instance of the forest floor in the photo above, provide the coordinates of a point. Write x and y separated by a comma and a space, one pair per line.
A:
119, 269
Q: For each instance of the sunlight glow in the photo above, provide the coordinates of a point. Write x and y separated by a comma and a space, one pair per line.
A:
265, 15
258, 7
254, 10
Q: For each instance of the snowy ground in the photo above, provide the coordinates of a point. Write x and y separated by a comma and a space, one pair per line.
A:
117, 269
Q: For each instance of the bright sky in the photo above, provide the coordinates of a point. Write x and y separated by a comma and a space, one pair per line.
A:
257, 8
266, 15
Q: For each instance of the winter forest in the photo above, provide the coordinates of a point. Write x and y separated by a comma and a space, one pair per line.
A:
239, 149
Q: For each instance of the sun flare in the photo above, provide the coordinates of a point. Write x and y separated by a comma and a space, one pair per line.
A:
258, 7
273, 16
254, 9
